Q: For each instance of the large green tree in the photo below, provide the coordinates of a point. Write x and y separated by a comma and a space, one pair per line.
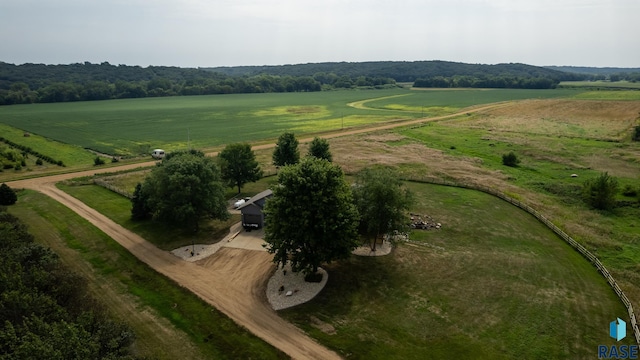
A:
311, 218
184, 188
286, 151
382, 202
238, 165
320, 148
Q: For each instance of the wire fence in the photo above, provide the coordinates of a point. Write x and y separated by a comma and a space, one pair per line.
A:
577, 246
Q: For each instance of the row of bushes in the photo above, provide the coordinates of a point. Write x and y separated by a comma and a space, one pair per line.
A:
29, 150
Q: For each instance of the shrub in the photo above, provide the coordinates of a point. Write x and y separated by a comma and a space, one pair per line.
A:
601, 192
629, 191
636, 134
98, 161
510, 159
7, 195
39, 161
18, 167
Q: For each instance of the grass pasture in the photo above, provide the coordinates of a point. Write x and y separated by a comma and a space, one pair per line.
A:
494, 283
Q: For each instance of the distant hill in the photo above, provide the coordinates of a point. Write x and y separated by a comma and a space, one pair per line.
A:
32, 83
402, 71
594, 70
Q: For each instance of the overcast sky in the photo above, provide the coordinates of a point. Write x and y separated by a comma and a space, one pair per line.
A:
202, 33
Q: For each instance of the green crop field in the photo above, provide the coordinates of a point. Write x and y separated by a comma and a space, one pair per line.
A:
136, 126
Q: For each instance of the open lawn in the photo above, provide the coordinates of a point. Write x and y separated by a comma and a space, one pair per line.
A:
169, 321
493, 283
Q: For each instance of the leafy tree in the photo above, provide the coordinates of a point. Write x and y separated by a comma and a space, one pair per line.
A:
7, 195
601, 192
185, 188
510, 159
286, 151
311, 216
238, 165
382, 202
320, 148
139, 208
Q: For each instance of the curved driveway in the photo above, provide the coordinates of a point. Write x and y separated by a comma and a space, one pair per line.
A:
232, 280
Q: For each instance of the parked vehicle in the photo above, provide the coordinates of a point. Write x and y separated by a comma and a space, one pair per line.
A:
158, 154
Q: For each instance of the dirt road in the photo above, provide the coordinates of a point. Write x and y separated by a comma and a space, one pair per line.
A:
232, 280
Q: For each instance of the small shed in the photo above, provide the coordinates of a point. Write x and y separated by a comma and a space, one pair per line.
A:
252, 215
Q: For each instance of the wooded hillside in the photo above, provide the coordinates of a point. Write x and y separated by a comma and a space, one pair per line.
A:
31, 83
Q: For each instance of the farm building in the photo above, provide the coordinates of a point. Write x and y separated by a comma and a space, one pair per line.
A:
252, 216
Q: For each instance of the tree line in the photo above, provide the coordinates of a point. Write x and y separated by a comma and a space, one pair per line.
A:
46, 311
488, 81
38, 83
403, 71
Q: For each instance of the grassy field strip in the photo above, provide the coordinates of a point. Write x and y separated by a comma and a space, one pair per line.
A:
493, 283
574, 244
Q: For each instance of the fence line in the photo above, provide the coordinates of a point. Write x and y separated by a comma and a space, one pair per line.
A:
115, 189
577, 246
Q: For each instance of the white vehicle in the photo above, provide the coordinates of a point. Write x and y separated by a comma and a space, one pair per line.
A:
240, 202
157, 154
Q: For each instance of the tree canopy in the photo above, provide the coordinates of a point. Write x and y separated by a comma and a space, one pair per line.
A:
46, 311
184, 188
238, 165
7, 195
319, 148
382, 202
286, 151
311, 218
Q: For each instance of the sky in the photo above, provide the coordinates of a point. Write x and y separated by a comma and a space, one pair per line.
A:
209, 33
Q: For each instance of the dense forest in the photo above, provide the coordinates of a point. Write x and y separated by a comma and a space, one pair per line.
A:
32, 83
46, 311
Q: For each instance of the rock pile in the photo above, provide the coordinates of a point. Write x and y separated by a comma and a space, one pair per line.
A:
424, 222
